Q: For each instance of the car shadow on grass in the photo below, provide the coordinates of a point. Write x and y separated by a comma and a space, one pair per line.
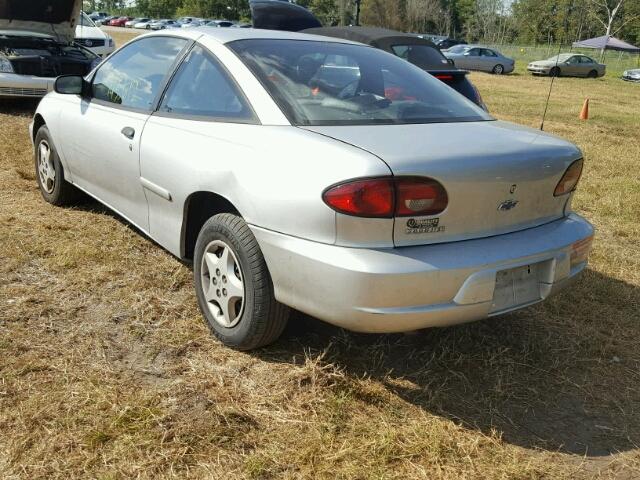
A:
561, 376
19, 106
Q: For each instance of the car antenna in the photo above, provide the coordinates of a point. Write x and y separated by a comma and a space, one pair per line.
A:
553, 77
555, 68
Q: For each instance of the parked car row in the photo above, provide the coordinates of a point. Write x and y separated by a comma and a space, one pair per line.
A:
148, 23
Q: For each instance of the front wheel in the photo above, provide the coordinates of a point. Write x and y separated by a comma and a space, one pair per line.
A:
49, 172
233, 285
554, 72
498, 69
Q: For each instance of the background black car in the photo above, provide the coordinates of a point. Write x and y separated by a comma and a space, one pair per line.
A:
449, 42
419, 51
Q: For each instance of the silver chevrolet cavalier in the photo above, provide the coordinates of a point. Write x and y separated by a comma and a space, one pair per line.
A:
305, 172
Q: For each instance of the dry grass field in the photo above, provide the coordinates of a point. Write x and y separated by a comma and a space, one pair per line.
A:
108, 371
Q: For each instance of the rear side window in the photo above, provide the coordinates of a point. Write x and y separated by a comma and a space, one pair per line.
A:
202, 87
133, 76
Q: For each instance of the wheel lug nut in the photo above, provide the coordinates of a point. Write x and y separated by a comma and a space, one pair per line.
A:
224, 292
218, 292
224, 279
218, 272
215, 281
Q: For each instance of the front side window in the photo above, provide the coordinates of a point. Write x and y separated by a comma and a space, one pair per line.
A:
328, 83
133, 76
201, 87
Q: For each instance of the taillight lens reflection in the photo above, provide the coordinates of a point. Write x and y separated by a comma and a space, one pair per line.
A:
387, 197
419, 196
569, 180
580, 251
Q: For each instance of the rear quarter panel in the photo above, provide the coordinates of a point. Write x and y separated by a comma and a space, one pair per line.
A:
273, 175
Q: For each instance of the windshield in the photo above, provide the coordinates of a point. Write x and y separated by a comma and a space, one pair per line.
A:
560, 58
458, 48
327, 83
85, 21
423, 56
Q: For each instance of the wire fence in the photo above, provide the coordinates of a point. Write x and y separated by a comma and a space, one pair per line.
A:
615, 61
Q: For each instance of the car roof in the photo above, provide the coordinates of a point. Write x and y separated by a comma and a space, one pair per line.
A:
227, 35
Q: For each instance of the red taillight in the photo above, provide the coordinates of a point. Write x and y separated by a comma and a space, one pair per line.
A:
363, 198
386, 197
444, 77
570, 179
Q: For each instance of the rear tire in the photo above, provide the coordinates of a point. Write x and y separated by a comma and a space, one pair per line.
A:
49, 172
234, 287
554, 72
498, 69
592, 74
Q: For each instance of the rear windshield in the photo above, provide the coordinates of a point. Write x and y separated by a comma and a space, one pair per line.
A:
328, 83
422, 56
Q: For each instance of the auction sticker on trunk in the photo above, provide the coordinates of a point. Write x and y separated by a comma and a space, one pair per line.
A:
428, 225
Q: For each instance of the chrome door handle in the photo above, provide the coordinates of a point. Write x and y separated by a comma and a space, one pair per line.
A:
128, 132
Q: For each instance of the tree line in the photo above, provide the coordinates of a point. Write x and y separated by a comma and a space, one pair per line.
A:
494, 21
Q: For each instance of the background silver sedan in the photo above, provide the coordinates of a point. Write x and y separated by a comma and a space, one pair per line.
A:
568, 65
315, 173
477, 57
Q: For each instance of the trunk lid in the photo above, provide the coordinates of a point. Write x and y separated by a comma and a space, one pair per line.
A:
499, 177
56, 18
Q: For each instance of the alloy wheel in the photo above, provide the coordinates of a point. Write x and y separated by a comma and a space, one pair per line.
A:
222, 283
46, 168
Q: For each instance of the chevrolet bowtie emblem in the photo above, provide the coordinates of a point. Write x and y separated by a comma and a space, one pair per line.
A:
507, 205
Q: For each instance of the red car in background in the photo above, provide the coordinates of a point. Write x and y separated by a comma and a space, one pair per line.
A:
119, 22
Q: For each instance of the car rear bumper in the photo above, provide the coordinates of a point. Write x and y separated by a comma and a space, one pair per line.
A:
408, 288
15, 85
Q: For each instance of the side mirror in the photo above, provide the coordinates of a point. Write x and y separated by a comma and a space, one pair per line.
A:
69, 85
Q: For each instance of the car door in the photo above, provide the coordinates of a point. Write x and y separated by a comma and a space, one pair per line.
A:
471, 59
587, 65
572, 66
104, 129
489, 60
193, 141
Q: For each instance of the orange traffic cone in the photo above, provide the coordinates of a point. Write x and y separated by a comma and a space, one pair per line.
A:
584, 113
